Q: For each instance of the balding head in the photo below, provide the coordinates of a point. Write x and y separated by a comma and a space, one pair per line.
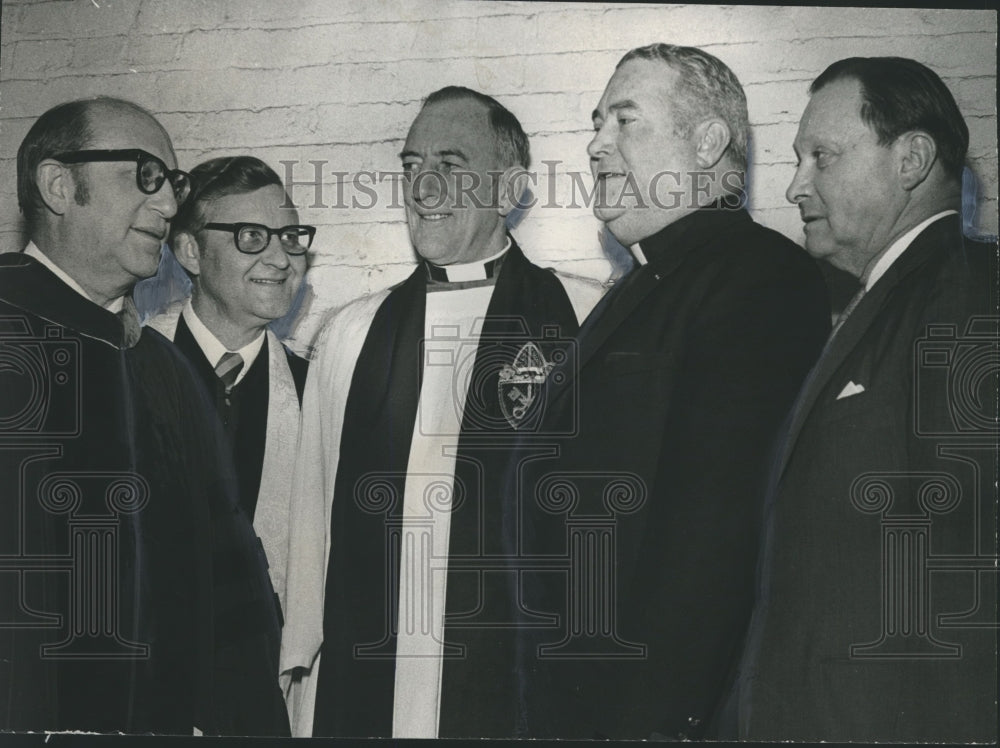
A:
98, 182
66, 127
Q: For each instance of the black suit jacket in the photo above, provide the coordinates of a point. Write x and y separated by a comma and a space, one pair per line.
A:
245, 419
684, 374
878, 607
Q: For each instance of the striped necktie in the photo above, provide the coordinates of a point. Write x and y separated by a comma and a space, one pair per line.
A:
228, 368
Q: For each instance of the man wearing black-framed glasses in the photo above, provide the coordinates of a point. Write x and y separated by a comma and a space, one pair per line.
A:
150, 171
148, 608
245, 254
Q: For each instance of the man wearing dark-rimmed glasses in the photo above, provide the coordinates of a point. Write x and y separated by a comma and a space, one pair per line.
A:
240, 242
133, 593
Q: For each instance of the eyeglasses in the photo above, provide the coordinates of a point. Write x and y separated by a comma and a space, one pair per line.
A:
253, 238
150, 172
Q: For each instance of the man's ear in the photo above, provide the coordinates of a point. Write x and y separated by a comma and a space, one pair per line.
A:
512, 186
711, 141
55, 185
917, 153
187, 252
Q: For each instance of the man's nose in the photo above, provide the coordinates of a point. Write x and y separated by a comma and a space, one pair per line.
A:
428, 185
274, 253
163, 201
801, 185
601, 144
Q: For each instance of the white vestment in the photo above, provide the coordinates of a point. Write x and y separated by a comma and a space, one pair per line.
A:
324, 402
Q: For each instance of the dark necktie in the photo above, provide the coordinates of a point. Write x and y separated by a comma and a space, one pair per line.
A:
851, 306
228, 368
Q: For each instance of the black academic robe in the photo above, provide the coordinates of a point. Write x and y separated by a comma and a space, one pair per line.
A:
133, 592
647, 479
245, 418
878, 601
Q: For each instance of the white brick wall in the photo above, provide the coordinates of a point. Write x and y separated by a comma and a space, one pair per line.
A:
339, 82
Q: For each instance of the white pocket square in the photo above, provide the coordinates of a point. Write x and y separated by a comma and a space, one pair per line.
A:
851, 389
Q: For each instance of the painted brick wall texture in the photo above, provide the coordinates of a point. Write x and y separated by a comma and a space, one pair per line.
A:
331, 88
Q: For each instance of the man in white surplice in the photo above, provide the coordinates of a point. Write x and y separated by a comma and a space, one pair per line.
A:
400, 378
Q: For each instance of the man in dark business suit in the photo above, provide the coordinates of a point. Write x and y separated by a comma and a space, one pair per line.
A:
877, 612
685, 371
240, 241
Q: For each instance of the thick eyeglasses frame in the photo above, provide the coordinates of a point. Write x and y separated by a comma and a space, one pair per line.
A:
180, 181
236, 228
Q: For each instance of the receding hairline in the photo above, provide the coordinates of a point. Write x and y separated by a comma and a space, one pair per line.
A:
101, 105
460, 100
667, 83
457, 100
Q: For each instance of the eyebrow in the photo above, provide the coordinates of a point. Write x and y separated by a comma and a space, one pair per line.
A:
446, 152
618, 105
453, 152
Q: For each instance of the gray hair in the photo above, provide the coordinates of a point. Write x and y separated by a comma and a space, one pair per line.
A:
706, 87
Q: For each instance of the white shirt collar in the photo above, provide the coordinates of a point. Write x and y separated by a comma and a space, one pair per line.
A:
114, 306
215, 350
472, 271
899, 246
639, 255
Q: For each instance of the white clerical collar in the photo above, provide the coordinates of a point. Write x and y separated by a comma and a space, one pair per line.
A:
639, 255
213, 349
468, 271
114, 306
899, 246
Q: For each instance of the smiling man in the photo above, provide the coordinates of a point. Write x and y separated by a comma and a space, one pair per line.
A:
405, 424
686, 370
241, 244
863, 631
134, 597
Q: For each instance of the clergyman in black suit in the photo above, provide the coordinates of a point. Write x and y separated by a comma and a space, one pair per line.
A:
240, 241
877, 612
685, 372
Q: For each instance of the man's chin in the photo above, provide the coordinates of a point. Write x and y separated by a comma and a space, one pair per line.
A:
440, 256
144, 270
819, 250
608, 214
627, 227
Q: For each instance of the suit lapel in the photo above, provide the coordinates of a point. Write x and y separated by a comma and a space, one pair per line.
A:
843, 344
667, 251
185, 341
621, 302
